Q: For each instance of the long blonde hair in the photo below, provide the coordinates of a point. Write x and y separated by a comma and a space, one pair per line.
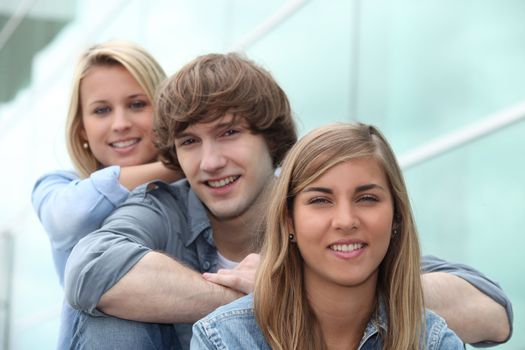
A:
140, 64
281, 306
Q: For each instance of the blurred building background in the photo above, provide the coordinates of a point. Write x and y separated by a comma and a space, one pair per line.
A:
444, 80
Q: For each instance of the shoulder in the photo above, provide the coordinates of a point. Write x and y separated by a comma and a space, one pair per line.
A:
232, 326
57, 176
438, 335
242, 307
51, 182
161, 195
160, 189
155, 203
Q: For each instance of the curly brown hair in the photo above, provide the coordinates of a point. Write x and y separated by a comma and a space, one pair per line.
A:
212, 85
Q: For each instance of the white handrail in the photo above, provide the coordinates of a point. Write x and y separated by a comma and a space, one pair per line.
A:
283, 13
465, 135
13, 22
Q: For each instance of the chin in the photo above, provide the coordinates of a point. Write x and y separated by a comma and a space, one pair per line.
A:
226, 214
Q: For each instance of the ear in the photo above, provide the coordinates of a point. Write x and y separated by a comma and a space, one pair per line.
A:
290, 230
83, 134
289, 225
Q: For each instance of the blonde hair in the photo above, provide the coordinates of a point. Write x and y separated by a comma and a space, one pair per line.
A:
281, 306
140, 64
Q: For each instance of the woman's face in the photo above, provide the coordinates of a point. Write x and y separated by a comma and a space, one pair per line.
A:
343, 224
117, 117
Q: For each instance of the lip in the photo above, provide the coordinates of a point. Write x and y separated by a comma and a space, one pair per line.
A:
127, 149
347, 248
231, 182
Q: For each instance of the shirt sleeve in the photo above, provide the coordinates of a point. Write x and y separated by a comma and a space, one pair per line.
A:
199, 340
104, 256
490, 288
439, 336
450, 341
69, 207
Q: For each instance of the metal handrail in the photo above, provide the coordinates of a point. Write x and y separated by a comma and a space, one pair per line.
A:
463, 136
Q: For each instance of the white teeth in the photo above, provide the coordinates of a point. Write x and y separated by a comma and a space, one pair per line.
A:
346, 247
122, 144
223, 182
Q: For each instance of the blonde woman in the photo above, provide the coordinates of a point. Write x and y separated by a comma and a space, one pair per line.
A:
110, 142
341, 261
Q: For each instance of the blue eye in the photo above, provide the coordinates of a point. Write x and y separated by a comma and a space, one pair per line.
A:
102, 110
368, 198
137, 105
319, 200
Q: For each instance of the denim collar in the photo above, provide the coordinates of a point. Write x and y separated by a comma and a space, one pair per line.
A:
198, 219
196, 213
377, 322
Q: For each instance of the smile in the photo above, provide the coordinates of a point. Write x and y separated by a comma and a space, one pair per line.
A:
124, 144
223, 182
346, 247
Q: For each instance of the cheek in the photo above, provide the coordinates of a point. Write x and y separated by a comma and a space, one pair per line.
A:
146, 124
309, 226
188, 163
383, 235
94, 129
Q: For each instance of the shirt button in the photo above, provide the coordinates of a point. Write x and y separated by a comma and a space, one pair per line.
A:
206, 265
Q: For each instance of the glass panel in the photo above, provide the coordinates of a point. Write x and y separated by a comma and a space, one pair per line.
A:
418, 70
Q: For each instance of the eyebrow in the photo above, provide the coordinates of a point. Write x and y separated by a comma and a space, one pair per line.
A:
183, 134
318, 189
367, 187
221, 125
138, 95
130, 97
360, 188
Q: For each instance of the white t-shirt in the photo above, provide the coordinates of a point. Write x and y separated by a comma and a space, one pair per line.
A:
223, 263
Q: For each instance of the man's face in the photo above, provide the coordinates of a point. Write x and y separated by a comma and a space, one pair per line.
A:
226, 165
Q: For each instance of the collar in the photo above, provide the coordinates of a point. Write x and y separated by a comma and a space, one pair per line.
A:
198, 220
377, 323
195, 213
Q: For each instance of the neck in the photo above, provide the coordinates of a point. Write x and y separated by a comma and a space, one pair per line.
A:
342, 312
236, 238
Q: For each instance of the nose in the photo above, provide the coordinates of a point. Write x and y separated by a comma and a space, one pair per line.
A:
121, 121
345, 218
212, 157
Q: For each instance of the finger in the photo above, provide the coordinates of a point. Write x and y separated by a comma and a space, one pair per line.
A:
231, 281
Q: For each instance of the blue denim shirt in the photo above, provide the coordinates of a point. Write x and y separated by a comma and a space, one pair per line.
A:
170, 218
233, 326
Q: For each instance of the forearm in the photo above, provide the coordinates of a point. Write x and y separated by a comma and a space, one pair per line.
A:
474, 316
159, 289
133, 176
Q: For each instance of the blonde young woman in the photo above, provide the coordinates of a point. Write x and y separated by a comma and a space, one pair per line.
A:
341, 258
110, 142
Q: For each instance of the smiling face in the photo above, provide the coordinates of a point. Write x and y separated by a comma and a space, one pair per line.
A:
227, 166
343, 223
117, 117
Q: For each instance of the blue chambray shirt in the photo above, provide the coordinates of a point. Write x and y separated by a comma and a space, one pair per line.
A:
233, 326
156, 216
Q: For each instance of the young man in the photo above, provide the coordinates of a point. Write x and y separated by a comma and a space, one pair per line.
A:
226, 124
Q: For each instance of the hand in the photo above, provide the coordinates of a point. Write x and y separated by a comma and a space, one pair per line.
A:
241, 278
